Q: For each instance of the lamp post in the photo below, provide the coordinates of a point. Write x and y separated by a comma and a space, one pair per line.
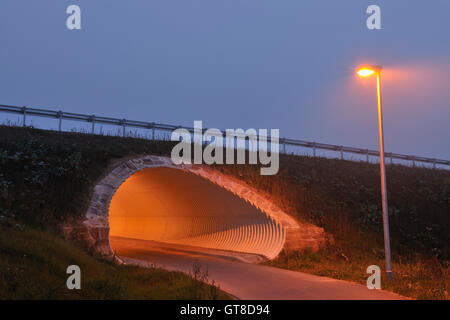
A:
366, 71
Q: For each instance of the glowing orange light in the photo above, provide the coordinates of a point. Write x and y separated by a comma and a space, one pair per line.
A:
177, 207
365, 72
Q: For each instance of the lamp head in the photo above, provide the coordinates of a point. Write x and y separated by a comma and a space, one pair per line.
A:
368, 70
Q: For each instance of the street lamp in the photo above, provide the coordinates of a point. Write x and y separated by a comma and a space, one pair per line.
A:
366, 71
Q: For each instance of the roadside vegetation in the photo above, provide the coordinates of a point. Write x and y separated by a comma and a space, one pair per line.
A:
33, 265
46, 178
343, 197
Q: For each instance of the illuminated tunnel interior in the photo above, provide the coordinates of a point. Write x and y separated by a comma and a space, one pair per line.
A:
179, 207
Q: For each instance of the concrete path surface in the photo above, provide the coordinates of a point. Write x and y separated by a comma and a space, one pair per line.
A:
244, 280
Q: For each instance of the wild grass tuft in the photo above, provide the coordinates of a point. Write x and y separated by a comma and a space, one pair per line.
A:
33, 264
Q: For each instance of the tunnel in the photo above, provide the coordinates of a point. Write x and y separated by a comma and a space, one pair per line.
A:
175, 206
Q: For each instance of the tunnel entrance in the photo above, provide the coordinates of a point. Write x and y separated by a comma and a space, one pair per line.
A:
176, 206
149, 197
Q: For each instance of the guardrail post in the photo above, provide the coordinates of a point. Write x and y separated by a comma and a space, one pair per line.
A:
367, 155
413, 158
24, 110
342, 152
123, 127
59, 121
153, 131
391, 158
93, 124
314, 149
284, 146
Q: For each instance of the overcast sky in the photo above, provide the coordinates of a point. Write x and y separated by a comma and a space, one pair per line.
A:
287, 64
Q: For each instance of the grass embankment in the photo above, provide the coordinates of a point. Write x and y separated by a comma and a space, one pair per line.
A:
46, 179
33, 264
343, 197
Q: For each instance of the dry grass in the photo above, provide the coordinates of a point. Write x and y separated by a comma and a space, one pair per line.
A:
418, 277
343, 197
33, 265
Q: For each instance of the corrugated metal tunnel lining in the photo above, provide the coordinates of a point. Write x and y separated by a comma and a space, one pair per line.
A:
176, 206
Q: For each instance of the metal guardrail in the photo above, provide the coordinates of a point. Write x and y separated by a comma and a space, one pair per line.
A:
124, 123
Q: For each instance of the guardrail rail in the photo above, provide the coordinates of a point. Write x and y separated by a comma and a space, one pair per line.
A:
153, 126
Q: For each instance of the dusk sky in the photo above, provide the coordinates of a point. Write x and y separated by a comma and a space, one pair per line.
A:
287, 64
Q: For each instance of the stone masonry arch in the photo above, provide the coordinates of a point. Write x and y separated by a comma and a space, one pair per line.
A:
285, 232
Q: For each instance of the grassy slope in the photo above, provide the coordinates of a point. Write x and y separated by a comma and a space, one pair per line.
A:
46, 178
36, 165
341, 196
33, 265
